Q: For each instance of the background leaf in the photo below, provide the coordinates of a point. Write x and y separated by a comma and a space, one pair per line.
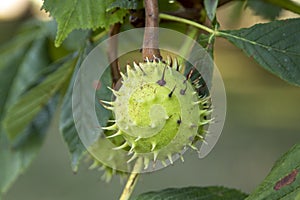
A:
12, 50
105, 94
69, 132
76, 14
264, 9
275, 46
290, 5
21, 62
14, 161
211, 8
189, 193
67, 126
29, 105
286, 165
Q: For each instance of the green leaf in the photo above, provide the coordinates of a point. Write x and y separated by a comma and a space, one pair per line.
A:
14, 161
105, 94
283, 182
126, 4
67, 125
30, 31
273, 45
30, 104
69, 132
28, 63
264, 9
77, 14
189, 193
287, 4
8, 70
168, 6
211, 8
21, 62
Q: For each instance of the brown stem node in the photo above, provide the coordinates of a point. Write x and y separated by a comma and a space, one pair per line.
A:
150, 43
112, 53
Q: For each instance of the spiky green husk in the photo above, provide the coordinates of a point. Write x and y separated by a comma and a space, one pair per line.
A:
157, 112
108, 172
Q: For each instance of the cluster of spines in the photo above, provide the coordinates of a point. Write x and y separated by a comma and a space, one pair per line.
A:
203, 102
108, 172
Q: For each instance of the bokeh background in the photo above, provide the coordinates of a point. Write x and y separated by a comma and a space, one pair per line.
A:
263, 122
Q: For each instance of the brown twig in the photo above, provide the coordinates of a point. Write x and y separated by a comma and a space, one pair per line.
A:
112, 53
150, 43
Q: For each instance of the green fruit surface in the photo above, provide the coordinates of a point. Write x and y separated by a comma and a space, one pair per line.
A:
157, 110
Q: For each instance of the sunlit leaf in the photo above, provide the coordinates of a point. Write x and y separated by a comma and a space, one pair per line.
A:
76, 14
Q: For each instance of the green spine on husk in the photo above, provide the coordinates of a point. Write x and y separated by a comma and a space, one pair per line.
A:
157, 112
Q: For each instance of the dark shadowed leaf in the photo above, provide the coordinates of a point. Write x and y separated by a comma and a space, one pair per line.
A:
275, 46
76, 14
168, 6
283, 182
104, 94
264, 9
290, 5
67, 126
194, 193
69, 133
